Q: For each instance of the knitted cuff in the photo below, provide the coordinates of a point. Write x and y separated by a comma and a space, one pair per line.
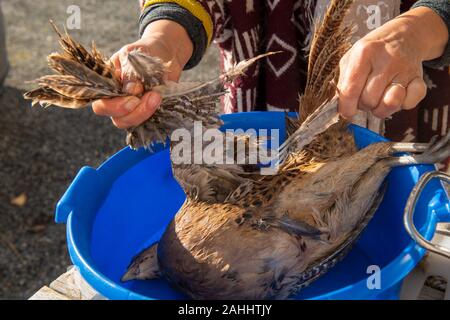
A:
193, 26
442, 8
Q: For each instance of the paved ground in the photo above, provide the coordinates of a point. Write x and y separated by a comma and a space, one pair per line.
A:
42, 150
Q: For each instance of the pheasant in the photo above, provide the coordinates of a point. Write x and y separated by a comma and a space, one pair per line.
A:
239, 234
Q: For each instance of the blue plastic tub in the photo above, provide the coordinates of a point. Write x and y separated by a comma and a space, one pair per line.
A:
120, 208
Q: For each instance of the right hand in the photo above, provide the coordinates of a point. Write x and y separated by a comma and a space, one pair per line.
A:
131, 111
382, 73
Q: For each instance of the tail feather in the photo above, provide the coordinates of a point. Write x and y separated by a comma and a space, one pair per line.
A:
331, 23
326, 67
318, 104
330, 42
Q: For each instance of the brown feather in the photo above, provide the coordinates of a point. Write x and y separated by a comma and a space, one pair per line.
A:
94, 61
73, 88
47, 96
330, 42
84, 73
146, 69
331, 23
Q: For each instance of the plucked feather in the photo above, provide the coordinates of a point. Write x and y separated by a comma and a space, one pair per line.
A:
74, 50
47, 96
75, 88
141, 67
83, 77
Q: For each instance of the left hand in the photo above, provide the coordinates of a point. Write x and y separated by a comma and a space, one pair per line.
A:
382, 73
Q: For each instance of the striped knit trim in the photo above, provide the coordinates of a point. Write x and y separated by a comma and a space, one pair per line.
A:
195, 8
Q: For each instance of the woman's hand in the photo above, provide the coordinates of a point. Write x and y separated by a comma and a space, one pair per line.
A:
382, 72
164, 39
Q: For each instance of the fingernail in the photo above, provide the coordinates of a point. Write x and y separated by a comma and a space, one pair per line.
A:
153, 101
130, 87
131, 104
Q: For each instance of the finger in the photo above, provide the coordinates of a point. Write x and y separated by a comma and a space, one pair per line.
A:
115, 107
373, 91
391, 102
132, 87
149, 104
354, 73
415, 92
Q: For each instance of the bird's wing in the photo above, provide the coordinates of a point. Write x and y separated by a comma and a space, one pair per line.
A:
320, 267
318, 122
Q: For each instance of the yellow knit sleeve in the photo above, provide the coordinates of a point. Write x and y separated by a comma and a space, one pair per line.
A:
195, 8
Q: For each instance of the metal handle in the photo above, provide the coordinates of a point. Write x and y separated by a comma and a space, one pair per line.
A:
408, 218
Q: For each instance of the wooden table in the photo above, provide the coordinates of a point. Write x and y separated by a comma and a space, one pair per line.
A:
69, 286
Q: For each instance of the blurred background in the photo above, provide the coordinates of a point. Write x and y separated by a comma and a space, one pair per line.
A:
41, 150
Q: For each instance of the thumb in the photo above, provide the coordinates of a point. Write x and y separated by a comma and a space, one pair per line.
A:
131, 85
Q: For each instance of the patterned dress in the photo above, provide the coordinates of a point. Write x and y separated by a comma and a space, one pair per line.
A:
245, 28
